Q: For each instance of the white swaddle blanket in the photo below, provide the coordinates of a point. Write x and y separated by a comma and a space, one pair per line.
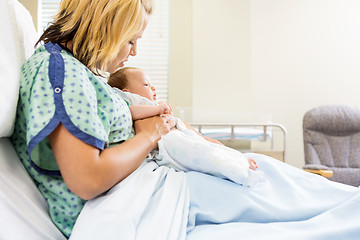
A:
185, 150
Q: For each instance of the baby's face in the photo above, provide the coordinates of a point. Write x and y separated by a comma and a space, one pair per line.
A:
139, 83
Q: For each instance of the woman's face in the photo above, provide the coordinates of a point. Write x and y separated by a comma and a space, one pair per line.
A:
127, 50
123, 55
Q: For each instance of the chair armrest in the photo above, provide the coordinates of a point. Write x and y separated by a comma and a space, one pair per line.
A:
322, 172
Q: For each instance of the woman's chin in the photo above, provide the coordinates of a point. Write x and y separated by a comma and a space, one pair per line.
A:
113, 69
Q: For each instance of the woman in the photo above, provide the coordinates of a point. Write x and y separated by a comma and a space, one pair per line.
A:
74, 135
67, 117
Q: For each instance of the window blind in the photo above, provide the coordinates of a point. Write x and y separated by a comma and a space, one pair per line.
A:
46, 11
153, 47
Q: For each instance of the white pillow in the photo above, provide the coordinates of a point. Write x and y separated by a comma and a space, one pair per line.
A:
23, 210
18, 37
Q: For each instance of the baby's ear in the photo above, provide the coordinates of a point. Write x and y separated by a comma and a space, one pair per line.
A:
125, 90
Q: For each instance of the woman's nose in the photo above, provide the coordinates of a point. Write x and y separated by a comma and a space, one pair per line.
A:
133, 50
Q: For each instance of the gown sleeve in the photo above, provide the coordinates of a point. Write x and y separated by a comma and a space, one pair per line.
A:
59, 90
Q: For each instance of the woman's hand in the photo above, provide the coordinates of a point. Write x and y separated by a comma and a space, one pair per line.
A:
154, 128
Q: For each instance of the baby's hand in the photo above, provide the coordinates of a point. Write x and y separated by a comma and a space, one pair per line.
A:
252, 164
164, 108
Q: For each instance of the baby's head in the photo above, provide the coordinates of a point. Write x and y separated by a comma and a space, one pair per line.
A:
133, 80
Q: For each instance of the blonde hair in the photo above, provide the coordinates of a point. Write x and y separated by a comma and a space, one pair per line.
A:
98, 29
119, 79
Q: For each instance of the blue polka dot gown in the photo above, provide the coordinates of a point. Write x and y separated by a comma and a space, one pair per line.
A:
57, 88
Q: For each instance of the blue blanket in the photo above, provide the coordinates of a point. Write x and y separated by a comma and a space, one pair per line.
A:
290, 204
159, 203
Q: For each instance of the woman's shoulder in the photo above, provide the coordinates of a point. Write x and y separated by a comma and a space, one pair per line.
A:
53, 53
57, 53
52, 64
39, 57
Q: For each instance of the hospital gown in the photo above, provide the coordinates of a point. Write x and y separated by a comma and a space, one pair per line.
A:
54, 88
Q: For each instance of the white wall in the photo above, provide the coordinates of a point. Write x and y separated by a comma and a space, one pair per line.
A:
276, 56
180, 56
221, 54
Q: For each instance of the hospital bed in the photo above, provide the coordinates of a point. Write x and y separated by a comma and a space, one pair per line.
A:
243, 131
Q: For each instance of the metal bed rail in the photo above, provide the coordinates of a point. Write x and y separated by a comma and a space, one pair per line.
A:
265, 126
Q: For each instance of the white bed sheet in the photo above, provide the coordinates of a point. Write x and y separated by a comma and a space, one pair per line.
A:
151, 203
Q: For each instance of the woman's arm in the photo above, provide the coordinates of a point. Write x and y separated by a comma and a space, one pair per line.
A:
145, 111
88, 172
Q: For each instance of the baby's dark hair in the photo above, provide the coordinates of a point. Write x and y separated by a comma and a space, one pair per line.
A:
119, 79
